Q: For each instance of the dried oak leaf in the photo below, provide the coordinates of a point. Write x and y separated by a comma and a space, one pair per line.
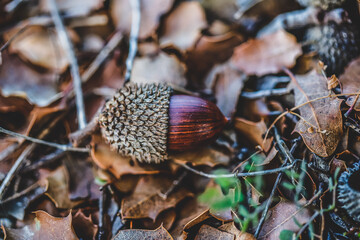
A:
183, 26
208, 51
41, 47
207, 232
281, 217
268, 54
18, 79
84, 226
73, 8
239, 235
350, 82
162, 68
146, 200
44, 226
254, 132
131, 234
151, 11
321, 121
115, 163
226, 82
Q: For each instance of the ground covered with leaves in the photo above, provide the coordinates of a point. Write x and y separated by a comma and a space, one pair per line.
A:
286, 74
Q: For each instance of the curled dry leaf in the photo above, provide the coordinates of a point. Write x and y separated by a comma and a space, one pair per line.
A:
226, 82
151, 11
350, 82
73, 8
183, 26
40, 46
147, 202
131, 234
162, 68
84, 226
268, 54
254, 132
114, 162
282, 217
207, 232
44, 226
321, 124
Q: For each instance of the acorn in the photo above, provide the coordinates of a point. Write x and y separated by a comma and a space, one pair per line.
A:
336, 45
146, 122
323, 4
348, 192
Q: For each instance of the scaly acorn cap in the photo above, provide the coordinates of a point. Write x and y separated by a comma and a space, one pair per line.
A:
323, 4
348, 192
336, 45
145, 122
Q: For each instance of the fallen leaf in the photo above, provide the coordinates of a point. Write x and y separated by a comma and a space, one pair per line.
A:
281, 217
254, 132
226, 82
166, 219
73, 8
324, 115
18, 79
183, 26
131, 234
114, 162
162, 68
84, 226
151, 11
146, 201
268, 54
208, 51
350, 82
44, 226
207, 232
239, 235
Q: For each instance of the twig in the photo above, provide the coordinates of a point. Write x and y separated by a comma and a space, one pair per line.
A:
346, 115
39, 141
302, 229
134, 34
103, 54
354, 126
44, 161
173, 186
232, 175
8, 151
102, 203
14, 169
266, 93
20, 194
74, 68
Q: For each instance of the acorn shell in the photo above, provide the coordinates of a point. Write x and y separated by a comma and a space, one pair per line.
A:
193, 122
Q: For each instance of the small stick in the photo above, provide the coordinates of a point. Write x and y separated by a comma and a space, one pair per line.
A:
39, 141
173, 186
74, 68
265, 93
102, 202
134, 34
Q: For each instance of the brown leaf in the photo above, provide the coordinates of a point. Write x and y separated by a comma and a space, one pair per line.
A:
151, 11
44, 226
268, 54
131, 234
73, 8
239, 235
323, 117
350, 82
18, 79
183, 25
166, 219
146, 201
226, 82
253, 132
162, 68
207, 232
84, 226
281, 217
114, 162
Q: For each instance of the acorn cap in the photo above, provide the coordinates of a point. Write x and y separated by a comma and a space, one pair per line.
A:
145, 122
135, 122
336, 45
348, 192
323, 4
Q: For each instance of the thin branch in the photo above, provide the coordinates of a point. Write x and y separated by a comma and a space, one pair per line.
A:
39, 141
266, 93
74, 68
231, 175
173, 186
134, 34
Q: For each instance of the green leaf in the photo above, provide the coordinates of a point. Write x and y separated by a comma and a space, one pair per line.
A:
209, 195
225, 183
287, 235
288, 185
222, 204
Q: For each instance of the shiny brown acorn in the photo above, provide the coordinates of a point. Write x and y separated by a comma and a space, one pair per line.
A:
147, 122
